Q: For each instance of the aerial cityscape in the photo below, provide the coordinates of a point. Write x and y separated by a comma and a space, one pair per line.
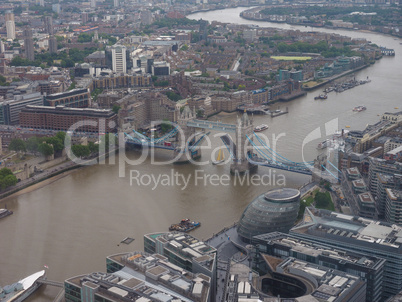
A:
200, 150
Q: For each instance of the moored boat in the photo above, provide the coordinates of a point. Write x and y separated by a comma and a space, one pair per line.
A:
261, 128
5, 213
322, 145
21, 290
185, 225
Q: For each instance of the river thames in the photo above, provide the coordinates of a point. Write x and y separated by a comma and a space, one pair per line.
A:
72, 224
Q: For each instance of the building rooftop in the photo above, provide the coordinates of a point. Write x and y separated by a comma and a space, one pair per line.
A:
322, 284
68, 110
359, 183
351, 229
310, 248
353, 171
155, 271
366, 198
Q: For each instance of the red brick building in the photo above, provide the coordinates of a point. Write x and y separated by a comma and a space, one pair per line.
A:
62, 118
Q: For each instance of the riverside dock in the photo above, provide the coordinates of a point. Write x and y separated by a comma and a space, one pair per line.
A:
254, 108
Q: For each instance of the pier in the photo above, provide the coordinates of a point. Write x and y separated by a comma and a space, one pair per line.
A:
254, 108
278, 113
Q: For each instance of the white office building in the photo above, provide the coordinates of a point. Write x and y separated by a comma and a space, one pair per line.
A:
10, 25
119, 58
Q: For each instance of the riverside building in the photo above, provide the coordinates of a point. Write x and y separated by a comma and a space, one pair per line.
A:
352, 233
62, 118
140, 277
275, 210
184, 251
367, 267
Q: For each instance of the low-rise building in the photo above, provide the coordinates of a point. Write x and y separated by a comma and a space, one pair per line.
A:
63, 118
367, 267
379, 239
186, 252
10, 109
76, 98
139, 277
297, 280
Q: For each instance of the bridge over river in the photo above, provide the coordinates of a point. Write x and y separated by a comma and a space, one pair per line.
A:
247, 152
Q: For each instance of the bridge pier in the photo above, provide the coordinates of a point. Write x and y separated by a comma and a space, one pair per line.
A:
186, 155
244, 132
242, 167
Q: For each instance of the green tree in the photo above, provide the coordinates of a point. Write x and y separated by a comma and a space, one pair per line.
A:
93, 148
45, 149
116, 108
17, 145
322, 201
173, 96
7, 178
166, 126
80, 150
8, 181
32, 144
84, 38
61, 136
3, 81
4, 172
56, 142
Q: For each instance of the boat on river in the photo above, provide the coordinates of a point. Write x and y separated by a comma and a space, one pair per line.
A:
185, 226
359, 108
321, 97
323, 145
5, 212
22, 289
261, 128
220, 158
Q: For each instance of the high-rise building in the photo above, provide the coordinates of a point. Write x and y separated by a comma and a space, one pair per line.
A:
93, 3
56, 8
48, 20
393, 205
10, 25
52, 44
250, 35
116, 3
203, 29
28, 43
119, 58
376, 183
84, 18
2, 48
146, 17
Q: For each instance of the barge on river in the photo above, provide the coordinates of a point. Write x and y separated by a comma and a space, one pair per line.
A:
185, 226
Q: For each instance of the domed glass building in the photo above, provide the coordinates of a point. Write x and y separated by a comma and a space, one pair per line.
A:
274, 211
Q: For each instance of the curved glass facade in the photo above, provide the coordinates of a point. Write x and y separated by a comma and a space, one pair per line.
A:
274, 211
